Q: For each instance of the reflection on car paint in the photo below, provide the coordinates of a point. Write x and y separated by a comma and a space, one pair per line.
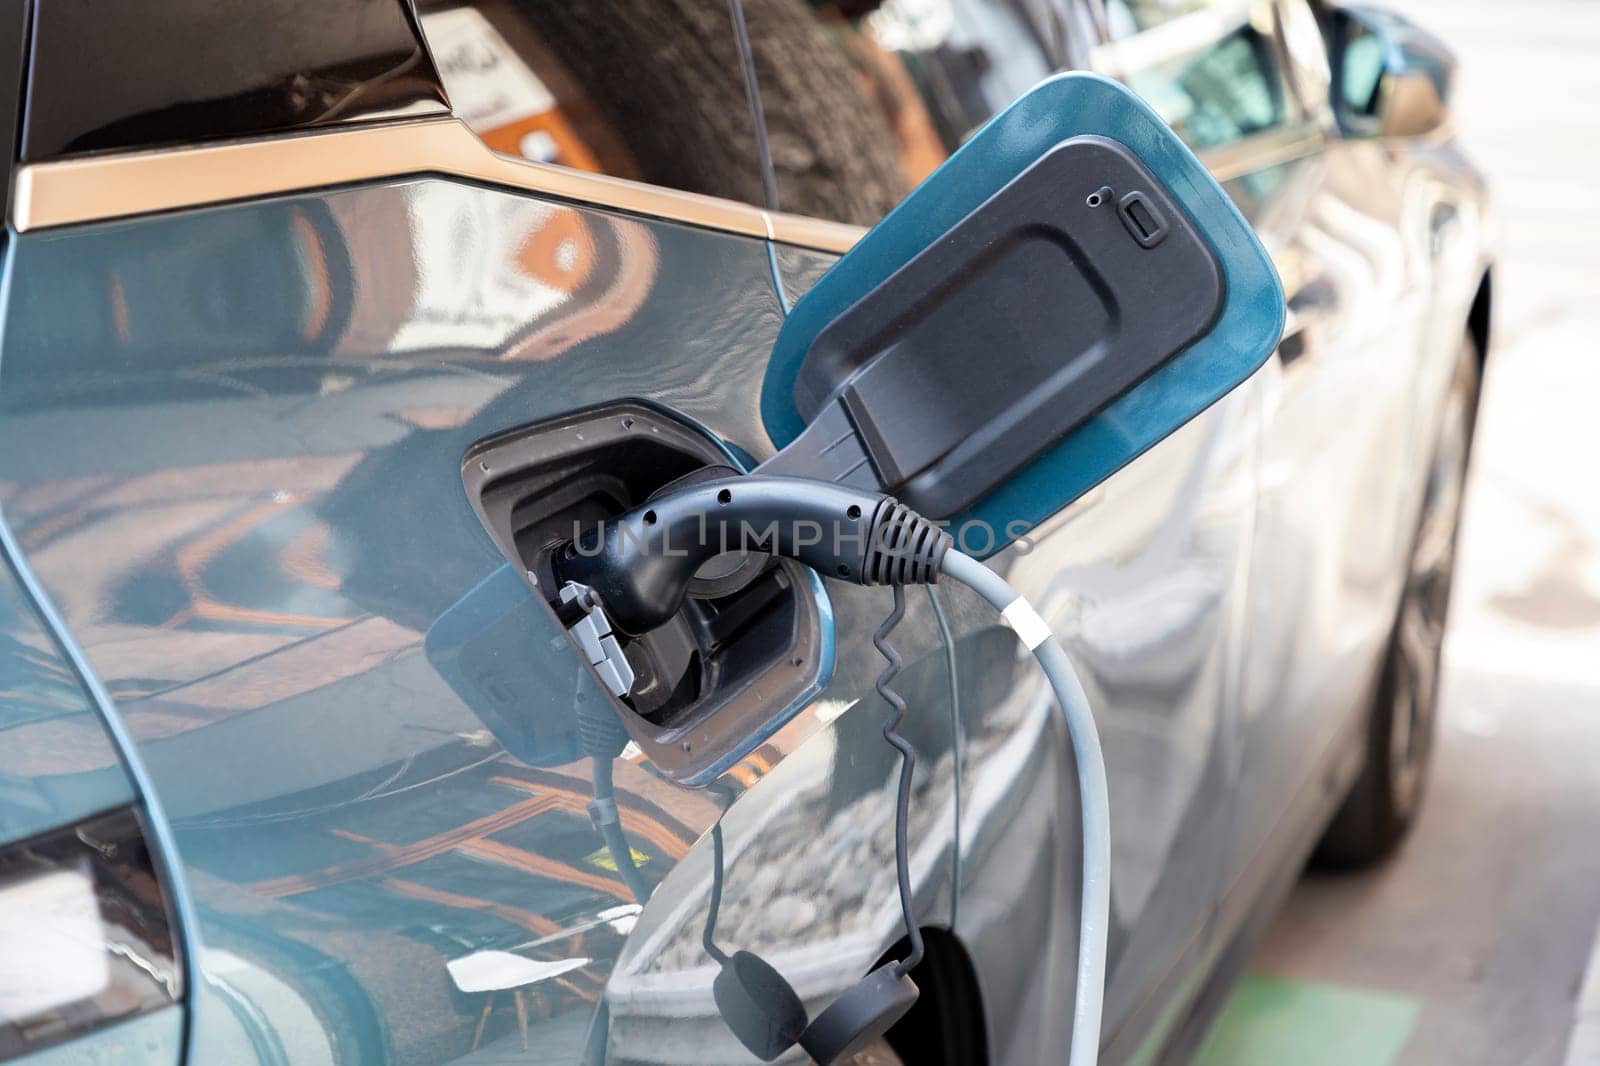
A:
251, 526
57, 762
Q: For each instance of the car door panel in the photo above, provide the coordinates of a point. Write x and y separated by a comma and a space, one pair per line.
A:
1142, 581
1350, 403
1310, 655
235, 437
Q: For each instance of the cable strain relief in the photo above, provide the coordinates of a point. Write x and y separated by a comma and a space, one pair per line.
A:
903, 548
602, 733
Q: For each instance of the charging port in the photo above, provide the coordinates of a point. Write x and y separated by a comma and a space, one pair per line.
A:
747, 646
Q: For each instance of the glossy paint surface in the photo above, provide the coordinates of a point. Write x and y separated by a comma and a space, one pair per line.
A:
1386, 253
57, 761
1144, 583
233, 441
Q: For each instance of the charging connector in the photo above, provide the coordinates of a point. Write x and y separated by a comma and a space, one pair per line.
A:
637, 569
639, 564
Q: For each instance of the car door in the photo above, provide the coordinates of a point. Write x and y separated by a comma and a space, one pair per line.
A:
1322, 555
273, 361
1365, 234
1149, 578
1235, 101
1310, 653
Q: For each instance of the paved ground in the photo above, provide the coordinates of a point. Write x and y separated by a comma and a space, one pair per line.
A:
1471, 947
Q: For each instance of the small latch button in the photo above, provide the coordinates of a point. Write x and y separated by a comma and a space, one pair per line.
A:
1142, 219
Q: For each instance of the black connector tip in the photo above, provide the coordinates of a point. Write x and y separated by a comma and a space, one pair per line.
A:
863, 1014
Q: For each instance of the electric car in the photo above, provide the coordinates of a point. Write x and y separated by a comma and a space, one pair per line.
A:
328, 325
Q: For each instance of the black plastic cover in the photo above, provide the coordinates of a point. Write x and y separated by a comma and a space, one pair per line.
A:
1063, 291
864, 1013
125, 75
13, 49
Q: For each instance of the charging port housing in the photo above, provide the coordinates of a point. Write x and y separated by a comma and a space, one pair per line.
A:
753, 642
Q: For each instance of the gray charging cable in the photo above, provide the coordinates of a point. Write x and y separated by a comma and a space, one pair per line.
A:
1093, 797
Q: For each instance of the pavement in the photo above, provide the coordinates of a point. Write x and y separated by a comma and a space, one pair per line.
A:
1472, 946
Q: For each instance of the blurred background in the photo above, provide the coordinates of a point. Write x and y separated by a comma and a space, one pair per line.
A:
1472, 947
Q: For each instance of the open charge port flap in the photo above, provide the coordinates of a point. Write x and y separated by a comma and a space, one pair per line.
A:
743, 655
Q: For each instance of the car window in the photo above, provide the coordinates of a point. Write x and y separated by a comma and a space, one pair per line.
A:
1211, 70
651, 91
1360, 70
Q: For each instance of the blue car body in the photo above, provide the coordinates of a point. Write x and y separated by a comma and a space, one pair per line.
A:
242, 360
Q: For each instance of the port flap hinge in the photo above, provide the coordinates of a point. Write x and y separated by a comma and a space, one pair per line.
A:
593, 633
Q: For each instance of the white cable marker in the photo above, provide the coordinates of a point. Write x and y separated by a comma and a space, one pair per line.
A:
1026, 623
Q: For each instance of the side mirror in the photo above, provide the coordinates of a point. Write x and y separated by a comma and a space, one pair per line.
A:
1065, 291
1390, 78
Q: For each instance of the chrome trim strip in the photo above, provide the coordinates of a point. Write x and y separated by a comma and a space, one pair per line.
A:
124, 185
808, 232
1263, 150
98, 188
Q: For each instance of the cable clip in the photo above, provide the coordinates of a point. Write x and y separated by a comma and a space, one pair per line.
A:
603, 812
1031, 629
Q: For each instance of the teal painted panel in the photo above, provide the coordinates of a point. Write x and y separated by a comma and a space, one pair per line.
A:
57, 763
1065, 106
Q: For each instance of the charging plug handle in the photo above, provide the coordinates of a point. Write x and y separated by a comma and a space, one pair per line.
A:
639, 563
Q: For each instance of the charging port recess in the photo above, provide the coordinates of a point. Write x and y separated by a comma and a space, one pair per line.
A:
751, 647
